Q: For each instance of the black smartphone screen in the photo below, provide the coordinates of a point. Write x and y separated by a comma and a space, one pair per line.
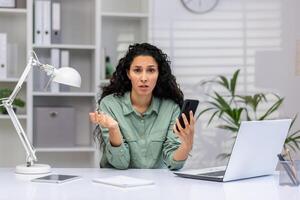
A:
188, 105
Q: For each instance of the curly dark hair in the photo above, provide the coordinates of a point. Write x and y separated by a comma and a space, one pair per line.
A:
166, 85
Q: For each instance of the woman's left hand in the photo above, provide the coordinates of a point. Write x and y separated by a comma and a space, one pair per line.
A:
186, 135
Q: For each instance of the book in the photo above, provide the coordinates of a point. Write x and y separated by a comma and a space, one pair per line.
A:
124, 181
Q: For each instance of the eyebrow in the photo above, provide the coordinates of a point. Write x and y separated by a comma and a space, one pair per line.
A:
148, 66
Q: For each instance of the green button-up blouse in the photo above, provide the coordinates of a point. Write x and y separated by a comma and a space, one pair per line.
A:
148, 139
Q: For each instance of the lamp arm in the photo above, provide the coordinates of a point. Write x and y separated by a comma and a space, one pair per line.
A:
30, 152
7, 103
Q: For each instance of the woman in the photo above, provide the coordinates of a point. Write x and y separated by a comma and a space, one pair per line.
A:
138, 112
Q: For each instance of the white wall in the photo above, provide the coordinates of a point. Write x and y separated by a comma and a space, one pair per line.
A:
257, 36
277, 69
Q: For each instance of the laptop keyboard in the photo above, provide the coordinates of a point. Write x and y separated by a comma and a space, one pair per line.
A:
216, 173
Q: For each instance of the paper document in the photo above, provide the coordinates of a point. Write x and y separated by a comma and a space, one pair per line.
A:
123, 181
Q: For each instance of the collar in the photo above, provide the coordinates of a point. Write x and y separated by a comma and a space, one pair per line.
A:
127, 105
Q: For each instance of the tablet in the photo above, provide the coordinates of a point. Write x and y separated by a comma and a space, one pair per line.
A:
55, 178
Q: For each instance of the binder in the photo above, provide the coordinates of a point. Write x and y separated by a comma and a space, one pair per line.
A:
38, 22
64, 62
56, 21
55, 60
3, 55
46, 22
65, 58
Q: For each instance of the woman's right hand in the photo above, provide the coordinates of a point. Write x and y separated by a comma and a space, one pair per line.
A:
103, 119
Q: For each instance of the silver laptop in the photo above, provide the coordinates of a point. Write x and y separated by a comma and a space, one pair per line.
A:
254, 152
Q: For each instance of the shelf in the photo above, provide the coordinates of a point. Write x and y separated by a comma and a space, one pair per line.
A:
13, 10
7, 116
64, 46
70, 149
10, 80
128, 15
69, 94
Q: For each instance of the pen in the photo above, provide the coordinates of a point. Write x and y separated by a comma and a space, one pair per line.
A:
293, 165
288, 169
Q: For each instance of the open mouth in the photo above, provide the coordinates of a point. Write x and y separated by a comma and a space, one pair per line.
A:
143, 86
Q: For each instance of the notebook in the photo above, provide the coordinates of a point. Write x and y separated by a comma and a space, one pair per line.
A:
254, 152
123, 181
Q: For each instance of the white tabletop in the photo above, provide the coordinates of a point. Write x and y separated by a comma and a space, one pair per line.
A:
167, 186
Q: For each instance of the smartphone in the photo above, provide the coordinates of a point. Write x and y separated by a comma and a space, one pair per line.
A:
188, 105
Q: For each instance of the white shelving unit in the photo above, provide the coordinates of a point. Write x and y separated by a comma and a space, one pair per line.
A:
91, 30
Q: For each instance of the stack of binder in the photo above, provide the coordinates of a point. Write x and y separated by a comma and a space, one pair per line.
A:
47, 22
59, 58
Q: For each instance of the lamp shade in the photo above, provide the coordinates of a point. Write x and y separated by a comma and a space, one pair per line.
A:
67, 76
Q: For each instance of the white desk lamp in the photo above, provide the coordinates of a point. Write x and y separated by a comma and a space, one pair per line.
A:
64, 75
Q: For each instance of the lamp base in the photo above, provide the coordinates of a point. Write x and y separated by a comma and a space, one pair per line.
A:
33, 169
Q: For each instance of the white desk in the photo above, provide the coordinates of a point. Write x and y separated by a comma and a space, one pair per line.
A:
167, 187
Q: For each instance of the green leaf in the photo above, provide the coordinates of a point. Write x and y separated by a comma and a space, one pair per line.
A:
272, 109
223, 104
223, 156
212, 117
204, 111
293, 121
233, 82
224, 82
230, 128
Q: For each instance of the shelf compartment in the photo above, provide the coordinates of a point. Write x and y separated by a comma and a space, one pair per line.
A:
82, 106
79, 17
81, 60
15, 28
117, 34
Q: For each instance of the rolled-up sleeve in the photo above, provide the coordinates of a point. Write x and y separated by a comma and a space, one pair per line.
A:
172, 143
119, 156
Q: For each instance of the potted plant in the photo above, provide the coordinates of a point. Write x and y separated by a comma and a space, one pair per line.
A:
4, 93
231, 108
